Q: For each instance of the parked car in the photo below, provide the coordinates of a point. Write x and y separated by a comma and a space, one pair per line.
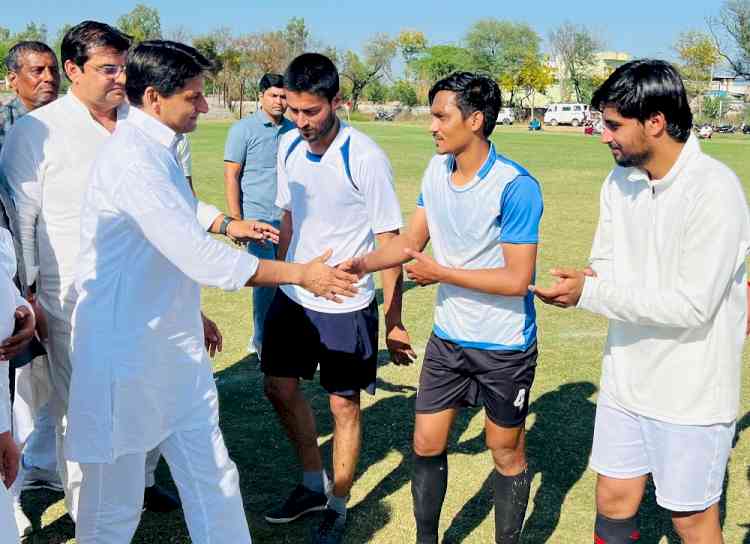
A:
566, 114
725, 129
506, 116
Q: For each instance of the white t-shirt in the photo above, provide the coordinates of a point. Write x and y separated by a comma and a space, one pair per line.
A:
339, 200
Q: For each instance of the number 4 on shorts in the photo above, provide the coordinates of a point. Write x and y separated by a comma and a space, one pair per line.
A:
520, 398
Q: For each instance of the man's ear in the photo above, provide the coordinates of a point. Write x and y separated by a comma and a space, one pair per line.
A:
152, 100
477, 121
656, 124
72, 70
12, 77
336, 102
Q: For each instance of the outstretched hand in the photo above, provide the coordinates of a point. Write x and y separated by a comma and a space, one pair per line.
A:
566, 291
329, 283
424, 270
242, 231
355, 265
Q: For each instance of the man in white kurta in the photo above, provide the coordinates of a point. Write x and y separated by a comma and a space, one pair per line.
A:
10, 301
141, 376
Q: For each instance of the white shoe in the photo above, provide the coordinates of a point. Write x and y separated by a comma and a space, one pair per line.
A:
22, 522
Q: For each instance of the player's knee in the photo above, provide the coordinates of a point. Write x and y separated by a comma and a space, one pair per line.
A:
694, 527
344, 409
614, 501
509, 461
427, 446
279, 391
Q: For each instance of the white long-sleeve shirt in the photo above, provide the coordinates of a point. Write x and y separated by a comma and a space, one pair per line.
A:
670, 261
140, 370
10, 299
47, 159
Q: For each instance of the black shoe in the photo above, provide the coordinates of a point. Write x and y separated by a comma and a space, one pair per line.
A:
300, 502
331, 530
158, 499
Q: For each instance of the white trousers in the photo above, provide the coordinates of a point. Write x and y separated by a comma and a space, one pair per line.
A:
8, 529
111, 496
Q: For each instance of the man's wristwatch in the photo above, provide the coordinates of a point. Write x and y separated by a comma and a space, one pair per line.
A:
224, 224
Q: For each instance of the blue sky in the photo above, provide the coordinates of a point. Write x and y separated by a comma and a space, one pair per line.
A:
640, 27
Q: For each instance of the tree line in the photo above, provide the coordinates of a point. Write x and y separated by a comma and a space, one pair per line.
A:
511, 52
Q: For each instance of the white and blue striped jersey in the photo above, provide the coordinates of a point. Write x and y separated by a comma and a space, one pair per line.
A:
468, 224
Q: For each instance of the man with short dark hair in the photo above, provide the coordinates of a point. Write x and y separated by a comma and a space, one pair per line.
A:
335, 187
47, 159
142, 377
482, 213
667, 268
34, 76
250, 180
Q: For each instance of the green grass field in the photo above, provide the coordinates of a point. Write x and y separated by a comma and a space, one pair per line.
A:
571, 168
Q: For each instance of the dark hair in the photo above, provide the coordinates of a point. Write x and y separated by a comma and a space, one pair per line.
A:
312, 73
13, 60
82, 38
641, 88
270, 80
474, 92
163, 65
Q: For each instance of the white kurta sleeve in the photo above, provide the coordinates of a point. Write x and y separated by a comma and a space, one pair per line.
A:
151, 199
207, 214
714, 248
21, 160
602, 250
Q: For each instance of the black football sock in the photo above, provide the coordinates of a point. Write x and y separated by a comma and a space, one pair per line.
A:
511, 499
428, 486
616, 531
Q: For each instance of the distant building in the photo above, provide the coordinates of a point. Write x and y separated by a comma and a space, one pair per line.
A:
606, 63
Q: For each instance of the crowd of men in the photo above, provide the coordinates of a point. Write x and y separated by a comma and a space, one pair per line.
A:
106, 246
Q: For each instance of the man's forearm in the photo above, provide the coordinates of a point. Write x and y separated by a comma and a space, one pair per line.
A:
390, 254
233, 194
393, 288
271, 273
494, 281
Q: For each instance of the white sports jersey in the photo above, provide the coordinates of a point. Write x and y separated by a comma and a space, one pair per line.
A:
339, 200
502, 204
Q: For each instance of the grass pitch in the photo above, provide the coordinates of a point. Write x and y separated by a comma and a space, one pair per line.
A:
571, 168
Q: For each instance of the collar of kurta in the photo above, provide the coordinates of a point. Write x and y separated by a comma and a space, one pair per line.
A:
153, 127
689, 150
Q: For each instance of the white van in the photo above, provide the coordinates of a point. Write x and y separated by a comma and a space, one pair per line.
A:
506, 116
566, 114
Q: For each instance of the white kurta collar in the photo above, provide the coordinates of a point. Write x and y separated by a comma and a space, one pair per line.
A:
153, 127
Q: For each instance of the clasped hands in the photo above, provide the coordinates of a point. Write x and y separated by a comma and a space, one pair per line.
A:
423, 270
566, 291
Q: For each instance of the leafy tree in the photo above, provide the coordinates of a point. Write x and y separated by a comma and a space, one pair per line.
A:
376, 92
142, 23
698, 55
535, 76
297, 36
207, 45
731, 32
405, 93
378, 55
438, 61
575, 49
411, 43
501, 49
32, 32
